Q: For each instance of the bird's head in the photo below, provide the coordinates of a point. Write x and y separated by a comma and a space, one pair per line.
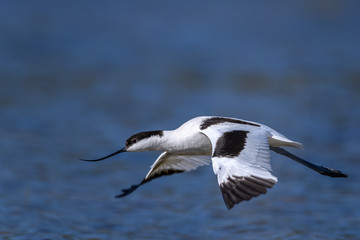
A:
143, 141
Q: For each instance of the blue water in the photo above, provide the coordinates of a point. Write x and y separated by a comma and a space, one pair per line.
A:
77, 79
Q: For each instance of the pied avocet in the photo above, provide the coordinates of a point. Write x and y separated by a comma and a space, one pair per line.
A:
239, 151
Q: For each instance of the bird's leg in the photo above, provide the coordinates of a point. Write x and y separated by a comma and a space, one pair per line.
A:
320, 169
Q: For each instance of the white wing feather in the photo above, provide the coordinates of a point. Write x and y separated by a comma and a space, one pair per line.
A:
168, 163
247, 174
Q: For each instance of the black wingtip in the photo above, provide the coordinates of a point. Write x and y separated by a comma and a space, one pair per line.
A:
127, 191
103, 158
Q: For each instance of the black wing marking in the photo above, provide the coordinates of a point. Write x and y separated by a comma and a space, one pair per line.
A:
217, 120
237, 189
168, 164
230, 144
165, 172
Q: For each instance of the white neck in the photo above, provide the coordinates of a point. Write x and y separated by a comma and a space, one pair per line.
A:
184, 142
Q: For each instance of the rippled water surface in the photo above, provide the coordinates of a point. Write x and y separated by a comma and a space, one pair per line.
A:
77, 79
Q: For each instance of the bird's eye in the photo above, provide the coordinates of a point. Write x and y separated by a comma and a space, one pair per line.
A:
131, 141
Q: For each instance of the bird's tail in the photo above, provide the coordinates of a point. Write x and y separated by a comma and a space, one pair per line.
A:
280, 140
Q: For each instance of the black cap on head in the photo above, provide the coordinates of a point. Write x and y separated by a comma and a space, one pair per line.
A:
142, 135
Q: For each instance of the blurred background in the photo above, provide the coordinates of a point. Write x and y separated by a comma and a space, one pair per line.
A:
78, 78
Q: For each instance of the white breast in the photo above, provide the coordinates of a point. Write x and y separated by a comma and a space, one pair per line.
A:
188, 140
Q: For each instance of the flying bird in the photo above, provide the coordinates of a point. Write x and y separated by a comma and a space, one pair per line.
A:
238, 150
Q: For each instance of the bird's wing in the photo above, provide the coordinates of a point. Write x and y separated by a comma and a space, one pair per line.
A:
167, 164
241, 161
